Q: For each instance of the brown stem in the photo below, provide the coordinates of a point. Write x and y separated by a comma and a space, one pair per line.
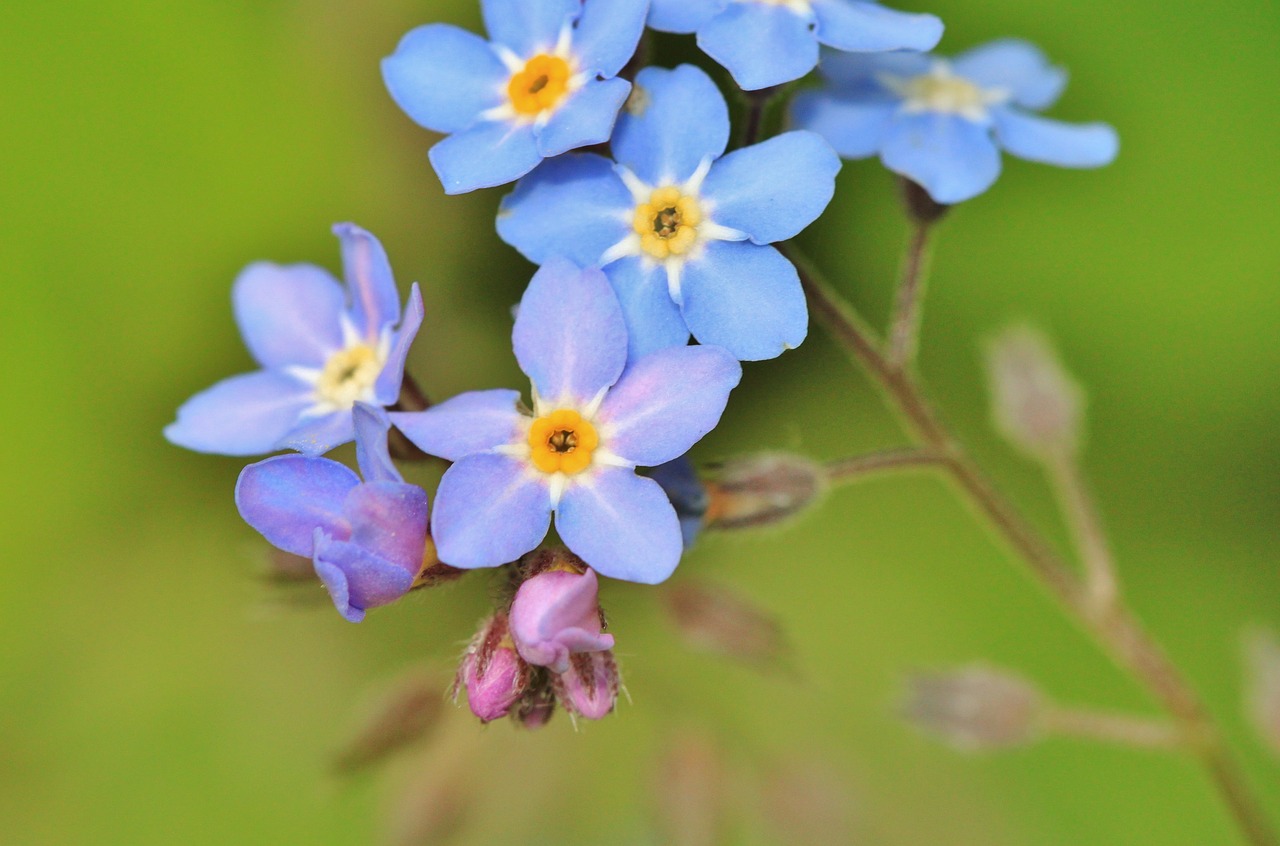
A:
905, 334
1086, 527
1114, 728
858, 466
1115, 628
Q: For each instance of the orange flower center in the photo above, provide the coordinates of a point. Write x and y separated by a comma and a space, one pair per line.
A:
540, 85
562, 442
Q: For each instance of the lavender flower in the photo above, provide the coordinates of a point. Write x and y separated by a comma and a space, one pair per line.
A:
556, 614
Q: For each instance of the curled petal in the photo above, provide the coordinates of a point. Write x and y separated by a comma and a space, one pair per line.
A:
375, 303
290, 315
556, 614
389, 519
288, 497
356, 578
387, 389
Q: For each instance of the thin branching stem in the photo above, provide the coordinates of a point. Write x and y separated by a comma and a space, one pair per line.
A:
1086, 529
904, 332
1123, 729
856, 467
1115, 628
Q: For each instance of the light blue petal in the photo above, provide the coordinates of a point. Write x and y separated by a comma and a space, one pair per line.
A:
854, 128
443, 77
674, 119
608, 33
289, 315
1054, 142
490, 510
288, 497
585, 118
666, 402
570, 338
390, 520
356, 578
316, 435
952, 158
243, 415
688, 497
854, 74
870, 28
372, 456
682, 16
1016, 66
387, 388
621, 524
466, 424
774, 189
375, 302
528, 27
746, 298
761, 44
487, 154
573, 206
653, 319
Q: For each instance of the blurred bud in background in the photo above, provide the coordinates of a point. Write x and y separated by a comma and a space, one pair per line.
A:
493, 674
762, 490
401, 715
436, 800
689, 791
974, 708
805, 800
1036, 403
1262, 684
714, 619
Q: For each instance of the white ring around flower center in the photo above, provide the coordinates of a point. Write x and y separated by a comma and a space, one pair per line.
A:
941, 91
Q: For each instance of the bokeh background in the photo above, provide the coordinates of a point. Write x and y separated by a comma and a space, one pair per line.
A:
154, 689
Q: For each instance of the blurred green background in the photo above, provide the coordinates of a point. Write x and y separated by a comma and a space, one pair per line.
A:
154, 690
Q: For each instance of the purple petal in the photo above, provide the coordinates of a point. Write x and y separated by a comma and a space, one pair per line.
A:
585, 118
761, 44
621, 524
375, 303
317, 434
244, 415
569, 337
555, 614
870, 28
390, 520
288, 315
528, 26
356, 578
387, 388
443, 77
490, 510
665, 402
473, 422
674, 120
372, 455
288, 497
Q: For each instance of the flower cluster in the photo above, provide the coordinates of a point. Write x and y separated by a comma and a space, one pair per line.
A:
649, 230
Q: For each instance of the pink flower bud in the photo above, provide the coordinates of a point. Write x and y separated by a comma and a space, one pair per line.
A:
556, 614
1036, 404
494, 675
589, 687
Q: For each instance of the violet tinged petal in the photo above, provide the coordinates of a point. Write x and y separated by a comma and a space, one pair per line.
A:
387, 388
621, 524
1053, 142
674, 120
761, 44
490, 509
952, 158
1017, 66
372, 454
528, 26
356, 578
653, 319
555, 614
389, 519
288, 315
573, 206
871, 28
317, 434
584, 118
288, 497
666, 402
746, 298
375, 303
443, 77
243, 415
570, 337
485, 155
774, 189
473, 422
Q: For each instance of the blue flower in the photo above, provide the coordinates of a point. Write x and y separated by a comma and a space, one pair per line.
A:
683, 232
942, 123
591, 425
321, 350
367, 540
769, 42
545, 84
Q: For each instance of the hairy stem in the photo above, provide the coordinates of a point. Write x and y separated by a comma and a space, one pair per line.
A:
1116, 629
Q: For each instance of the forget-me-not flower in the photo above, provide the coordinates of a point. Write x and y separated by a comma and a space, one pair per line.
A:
367, 540
322, 349
942, 123
545, 84
681, 230
592, 424
769, 42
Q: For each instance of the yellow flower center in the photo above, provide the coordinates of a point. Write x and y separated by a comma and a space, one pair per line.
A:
668, 223
950, 94
349, 375
562, 442
540, 85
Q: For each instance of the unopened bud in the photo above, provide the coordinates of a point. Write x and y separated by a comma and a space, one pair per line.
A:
491, 671
1262, 684
713, 619
589, 687
761, 490
680, 482
401, 716
538, 704
1036, 403
974, 708
556, 614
